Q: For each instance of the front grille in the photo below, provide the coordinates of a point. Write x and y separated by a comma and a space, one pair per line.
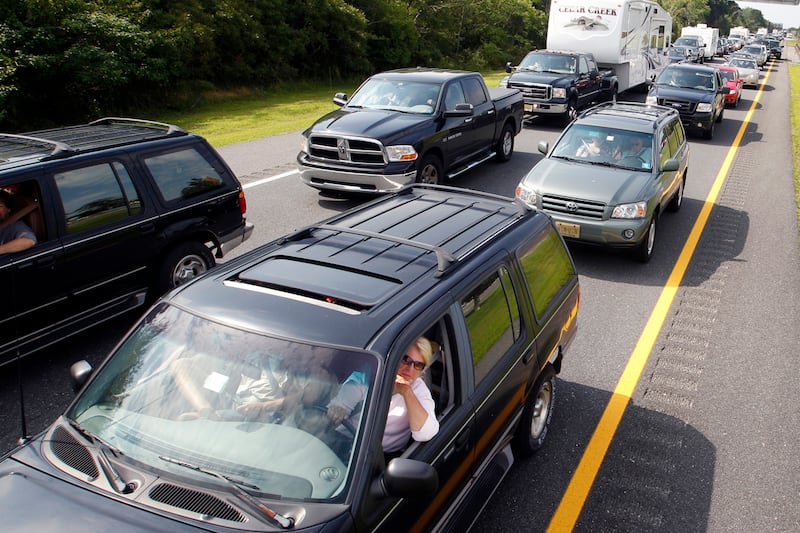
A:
684, 108
538, 91
195, 501
346, 150
73, 453
573, 207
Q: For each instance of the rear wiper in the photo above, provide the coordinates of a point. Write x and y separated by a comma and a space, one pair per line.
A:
101, 448
236, 486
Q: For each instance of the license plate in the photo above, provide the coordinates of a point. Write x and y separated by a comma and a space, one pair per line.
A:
569, 230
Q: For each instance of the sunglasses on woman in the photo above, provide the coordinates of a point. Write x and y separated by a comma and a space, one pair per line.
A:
418, 365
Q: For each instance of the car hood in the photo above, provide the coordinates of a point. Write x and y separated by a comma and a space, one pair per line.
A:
531, 76
375, 123
609, 185
33, 501
683, 94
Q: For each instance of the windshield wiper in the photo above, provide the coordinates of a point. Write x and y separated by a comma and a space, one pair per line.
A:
600, 163
101, 448
236, 486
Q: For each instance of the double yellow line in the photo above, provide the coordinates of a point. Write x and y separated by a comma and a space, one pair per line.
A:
574, 498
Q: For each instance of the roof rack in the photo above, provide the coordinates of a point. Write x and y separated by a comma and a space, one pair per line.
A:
59, 148
444, 258
523, 207
171, 128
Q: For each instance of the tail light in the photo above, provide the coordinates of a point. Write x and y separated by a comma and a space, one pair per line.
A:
242, 203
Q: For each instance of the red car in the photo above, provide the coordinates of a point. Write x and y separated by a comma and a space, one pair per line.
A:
735, 82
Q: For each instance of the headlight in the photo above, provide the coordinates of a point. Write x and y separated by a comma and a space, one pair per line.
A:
703, 108
559, 92
528, 196
637, 210
733, 91
401, 152
304, 145
651, 99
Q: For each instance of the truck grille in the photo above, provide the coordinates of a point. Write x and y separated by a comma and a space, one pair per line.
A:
346, 150
684, 108
538, 91
573, 207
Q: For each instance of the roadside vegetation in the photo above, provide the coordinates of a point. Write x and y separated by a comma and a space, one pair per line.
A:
794, 104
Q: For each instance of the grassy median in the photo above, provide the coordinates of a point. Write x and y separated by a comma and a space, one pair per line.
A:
794, 108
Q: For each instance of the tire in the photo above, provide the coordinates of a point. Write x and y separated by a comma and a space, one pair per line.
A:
614, 93
505, 144
430, 170
184, 263
644, 250
677, 200
709, 133
571, 112
536, 415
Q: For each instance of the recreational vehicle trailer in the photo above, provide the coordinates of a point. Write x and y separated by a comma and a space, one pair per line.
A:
629, 36
710, 37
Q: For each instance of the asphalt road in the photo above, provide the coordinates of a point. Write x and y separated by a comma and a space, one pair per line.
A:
708, 439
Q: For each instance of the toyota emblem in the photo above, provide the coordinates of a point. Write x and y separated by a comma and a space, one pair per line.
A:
572, 206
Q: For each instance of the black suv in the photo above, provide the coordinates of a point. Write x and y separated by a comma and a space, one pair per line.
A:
122, 209
326, 312
696, 91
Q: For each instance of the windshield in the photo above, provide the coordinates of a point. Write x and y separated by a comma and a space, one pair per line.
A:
541, 62
397, 95
744, 63
687, 78
238, 403
606, 146
727, 75
687, 41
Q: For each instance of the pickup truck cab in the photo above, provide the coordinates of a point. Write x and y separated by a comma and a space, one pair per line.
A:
560, 83
410, 125
323, 317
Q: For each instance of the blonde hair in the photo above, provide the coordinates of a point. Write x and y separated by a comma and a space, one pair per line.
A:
425, 349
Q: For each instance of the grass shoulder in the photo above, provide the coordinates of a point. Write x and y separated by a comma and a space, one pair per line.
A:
227, 117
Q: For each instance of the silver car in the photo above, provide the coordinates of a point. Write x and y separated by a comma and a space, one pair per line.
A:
748, 70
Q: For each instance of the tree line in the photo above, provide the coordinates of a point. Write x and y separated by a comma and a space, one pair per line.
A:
68, 61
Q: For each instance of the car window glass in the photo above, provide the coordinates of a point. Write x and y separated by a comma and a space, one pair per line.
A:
182, 174
475, 93
132, 196
664, 146
26, 206
489, 317
92, 197
547, 268
455, 96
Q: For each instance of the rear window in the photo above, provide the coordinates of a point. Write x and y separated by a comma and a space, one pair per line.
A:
548, 269
183, 174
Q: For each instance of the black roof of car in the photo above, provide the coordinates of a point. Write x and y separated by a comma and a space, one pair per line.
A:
627, 115
18, 150
692, 67
349, 275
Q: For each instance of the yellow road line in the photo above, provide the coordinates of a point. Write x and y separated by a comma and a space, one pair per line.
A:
574, 498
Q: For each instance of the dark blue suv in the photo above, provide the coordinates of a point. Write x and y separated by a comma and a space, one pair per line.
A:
318, 319
122, 209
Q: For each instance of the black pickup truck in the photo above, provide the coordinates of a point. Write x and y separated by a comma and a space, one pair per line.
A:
560, 83
410, 125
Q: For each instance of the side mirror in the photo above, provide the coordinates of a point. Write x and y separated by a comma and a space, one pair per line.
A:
543, 147
461, 110
79, 374
671, 165
340, 99
725, 90
407, 478
508, 67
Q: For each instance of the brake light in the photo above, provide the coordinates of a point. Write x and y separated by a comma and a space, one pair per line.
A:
242, 203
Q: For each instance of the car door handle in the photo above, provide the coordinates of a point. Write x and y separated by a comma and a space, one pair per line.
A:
148, 228
460, 444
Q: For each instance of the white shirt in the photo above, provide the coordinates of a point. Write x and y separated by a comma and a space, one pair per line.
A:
397, 432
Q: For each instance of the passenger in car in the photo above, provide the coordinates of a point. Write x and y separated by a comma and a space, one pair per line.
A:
411, 410
15, 235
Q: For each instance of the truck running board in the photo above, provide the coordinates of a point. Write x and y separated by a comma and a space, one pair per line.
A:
473, 164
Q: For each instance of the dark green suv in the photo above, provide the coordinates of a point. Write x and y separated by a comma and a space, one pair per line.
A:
122, 210
611, 174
